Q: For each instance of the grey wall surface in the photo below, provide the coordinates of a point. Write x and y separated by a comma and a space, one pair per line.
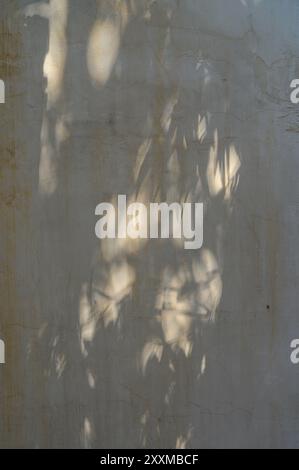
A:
125, 343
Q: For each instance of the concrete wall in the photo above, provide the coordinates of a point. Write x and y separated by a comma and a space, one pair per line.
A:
142, 343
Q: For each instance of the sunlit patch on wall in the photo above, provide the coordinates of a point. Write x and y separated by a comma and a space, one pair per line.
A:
223, 174
102, 51
87, 433
2, 352
2, 92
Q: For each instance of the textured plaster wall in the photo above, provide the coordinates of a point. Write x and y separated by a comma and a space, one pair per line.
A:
142, 343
